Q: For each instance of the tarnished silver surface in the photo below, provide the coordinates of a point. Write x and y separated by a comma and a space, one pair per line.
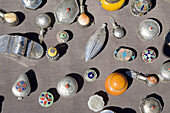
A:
117, 31
21, 87
66, 11
19, 46
9, 17
31, 4
67, 87
95, 42
148, 30
164, 72
43, 21
150, 105
140, 7
150, 81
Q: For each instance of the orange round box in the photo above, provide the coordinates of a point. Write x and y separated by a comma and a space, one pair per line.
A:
116, 84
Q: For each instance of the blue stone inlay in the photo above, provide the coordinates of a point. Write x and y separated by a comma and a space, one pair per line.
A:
22, 82
23, 88
90, 75
43, 95
124, 54
17, 87
49, 96
42, 102
142, 7
49, 102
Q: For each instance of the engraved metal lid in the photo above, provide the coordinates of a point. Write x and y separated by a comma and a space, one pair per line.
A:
21, 87
67, 87
90, 75
140, 7
150, 105
31, 4
62, 37
66, 11
43, 21
148, 30
164, 72
46, 99
96, 103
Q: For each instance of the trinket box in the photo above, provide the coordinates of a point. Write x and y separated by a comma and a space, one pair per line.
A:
96, 103
62, 37
90, 75
149, 55
21, 87
140, 7
111, 5
164, 72
116, 84
46, 99
148, 29
150, 105
67, 87
52, 53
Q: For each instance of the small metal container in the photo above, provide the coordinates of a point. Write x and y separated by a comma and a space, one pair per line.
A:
96, 103
164, 72
46, 99
148, 30
9, 17
43, 21
31, 4
62, 37
90, 75
66, 11
150, 105
21, 87
67, 87
140, 7
149, 55
52, 53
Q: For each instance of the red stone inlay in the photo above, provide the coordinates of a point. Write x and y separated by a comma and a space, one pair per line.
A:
169, 68
68, 9
42, 98
19, 89
45, 102
153, 107
49, 99
24, 85
18, 84
67, 85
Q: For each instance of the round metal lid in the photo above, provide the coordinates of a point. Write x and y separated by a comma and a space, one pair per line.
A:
150, 105
148, 55
90, 75
96, 103
43, 21
62, 37
31, 4
142, 5
148, 29
107, 111
67, 87
46, 99
164, 71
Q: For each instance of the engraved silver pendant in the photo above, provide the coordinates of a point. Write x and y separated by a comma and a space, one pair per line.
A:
21, 87
31, 4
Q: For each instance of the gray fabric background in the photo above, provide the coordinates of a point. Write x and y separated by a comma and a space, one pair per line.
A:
49, 73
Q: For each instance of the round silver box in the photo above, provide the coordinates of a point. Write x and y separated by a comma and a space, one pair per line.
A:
43, 21
164, 72
67, 87
148, 30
